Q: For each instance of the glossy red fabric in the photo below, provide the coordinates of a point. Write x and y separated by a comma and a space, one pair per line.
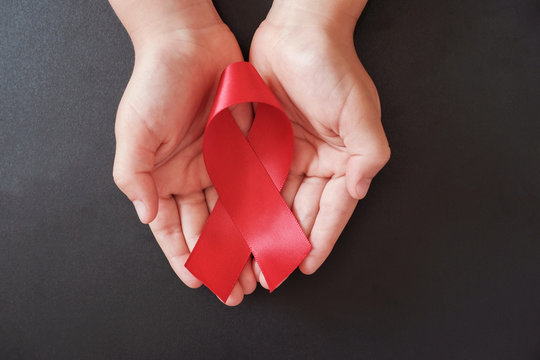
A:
248, 173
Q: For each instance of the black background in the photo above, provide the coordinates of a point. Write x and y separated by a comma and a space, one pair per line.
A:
440, 261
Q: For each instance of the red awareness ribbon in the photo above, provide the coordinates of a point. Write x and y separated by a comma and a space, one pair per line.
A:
250, 216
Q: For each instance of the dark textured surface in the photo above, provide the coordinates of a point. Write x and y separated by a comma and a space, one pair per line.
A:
440, 261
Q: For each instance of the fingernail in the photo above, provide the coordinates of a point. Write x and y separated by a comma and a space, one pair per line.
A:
256, 269
362, 188
141, 209
263, 282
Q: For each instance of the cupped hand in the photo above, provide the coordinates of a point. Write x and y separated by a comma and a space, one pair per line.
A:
334, 108
159, 128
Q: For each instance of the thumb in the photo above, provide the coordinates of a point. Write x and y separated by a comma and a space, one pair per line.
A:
134, 164
361, 169
364, 139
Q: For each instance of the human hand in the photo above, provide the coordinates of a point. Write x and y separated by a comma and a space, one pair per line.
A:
305, 52
179, 56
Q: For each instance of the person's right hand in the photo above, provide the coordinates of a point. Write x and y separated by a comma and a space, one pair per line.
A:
159, 127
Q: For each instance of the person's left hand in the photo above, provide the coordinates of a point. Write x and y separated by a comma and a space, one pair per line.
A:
334, 108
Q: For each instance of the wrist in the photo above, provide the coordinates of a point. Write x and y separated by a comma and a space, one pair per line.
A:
329, 15
149, 22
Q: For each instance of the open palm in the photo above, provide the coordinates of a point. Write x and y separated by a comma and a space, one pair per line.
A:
159, 128
339, 140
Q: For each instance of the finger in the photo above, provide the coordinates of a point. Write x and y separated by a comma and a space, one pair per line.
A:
236, 296
168, 233
193, 213
335, 209
211, 197
306, 202
290, 188
259, 275
247, 279
361, 169
263, 281
134, 163
256, 269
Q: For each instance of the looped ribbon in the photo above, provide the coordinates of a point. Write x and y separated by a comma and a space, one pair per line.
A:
250, 216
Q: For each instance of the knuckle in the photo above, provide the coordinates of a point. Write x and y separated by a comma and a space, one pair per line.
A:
381, 154
385, 153
120, 179
167, 233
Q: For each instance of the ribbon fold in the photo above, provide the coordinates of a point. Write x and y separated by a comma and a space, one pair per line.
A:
250, 216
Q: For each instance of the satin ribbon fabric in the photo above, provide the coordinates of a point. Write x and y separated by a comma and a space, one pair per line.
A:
248, 173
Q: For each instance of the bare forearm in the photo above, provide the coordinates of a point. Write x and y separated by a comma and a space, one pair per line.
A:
147, 19
334, 14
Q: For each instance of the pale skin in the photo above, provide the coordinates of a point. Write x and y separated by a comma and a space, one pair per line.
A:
305, 52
